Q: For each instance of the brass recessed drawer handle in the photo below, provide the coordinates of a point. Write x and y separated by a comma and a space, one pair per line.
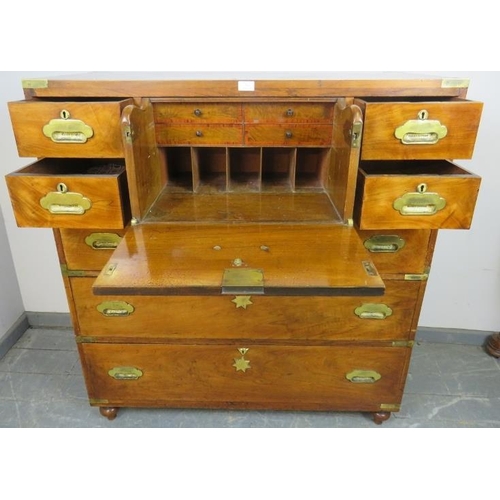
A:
384, 243
373, 311
67, 130
420, 202
421, 131
197, 112
288, 134
125, 373
64, 202
363, 376
115, 308
103, 241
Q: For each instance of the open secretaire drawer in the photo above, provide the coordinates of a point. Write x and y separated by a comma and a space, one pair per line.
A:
70, 194
415, 195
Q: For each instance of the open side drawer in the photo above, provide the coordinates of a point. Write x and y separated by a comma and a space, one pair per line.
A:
426, 129
70, 194
68, 129
250, 259
415, 195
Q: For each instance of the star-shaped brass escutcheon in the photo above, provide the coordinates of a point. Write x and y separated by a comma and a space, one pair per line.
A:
242, 301
242, 364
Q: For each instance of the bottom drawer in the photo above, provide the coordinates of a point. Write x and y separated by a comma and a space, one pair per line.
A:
262, 377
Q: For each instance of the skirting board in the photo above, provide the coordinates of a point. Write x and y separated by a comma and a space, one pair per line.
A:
14, 333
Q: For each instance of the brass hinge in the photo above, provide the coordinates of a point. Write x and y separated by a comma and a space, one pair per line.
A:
38, 83
356, 130
80, 339
390, 407
403, 343
418, 277
128, 133
71, 273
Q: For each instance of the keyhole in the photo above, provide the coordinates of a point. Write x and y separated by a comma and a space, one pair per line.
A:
422, 188
422, 115
62, 188
64, 114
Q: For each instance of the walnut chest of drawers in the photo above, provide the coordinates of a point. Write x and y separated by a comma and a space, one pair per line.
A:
260, 244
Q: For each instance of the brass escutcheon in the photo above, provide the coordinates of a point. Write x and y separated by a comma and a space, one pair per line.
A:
420, 202
64, 202
421, 131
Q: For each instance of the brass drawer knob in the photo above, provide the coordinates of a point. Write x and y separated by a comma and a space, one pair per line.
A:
363, 376
420, 202
67, 130
125, 373
115, 308
384, 243
197, 112
373, 311
288, 134
421, 131
64, 202
289, 112
199, 133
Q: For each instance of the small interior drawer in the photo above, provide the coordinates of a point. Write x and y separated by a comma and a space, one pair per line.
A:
196, 112
199, 134
288, 135
289, 112
415, 195
68, 129
419, 130
70, 194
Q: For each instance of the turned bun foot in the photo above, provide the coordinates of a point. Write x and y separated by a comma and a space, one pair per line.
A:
493, 345
109, 413
381, 416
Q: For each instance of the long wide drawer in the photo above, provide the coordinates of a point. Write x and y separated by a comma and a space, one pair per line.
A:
419, 130
70, 193
415, 195
245, 317
68, 129
286, 377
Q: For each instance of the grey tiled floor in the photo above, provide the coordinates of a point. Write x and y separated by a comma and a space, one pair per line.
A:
41, 385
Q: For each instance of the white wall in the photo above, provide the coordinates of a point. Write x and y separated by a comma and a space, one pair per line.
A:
464, 287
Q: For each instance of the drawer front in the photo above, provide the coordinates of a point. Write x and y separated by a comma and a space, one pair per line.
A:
397, 252
88, 249
442, 196
68, 129
44, 194
424, 130
289, 113
197, 113
288, 135
263, 376
199, 134
247, 317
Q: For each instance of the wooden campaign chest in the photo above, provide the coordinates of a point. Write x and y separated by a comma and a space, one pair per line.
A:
245, 244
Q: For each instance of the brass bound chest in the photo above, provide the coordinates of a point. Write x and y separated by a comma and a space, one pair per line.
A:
245, 244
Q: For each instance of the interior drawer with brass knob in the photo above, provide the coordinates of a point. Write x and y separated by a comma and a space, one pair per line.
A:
68, 129
196, 112
285, 134
246, 376
415, 195
290, 112
199, 134
63, 193
419, 130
